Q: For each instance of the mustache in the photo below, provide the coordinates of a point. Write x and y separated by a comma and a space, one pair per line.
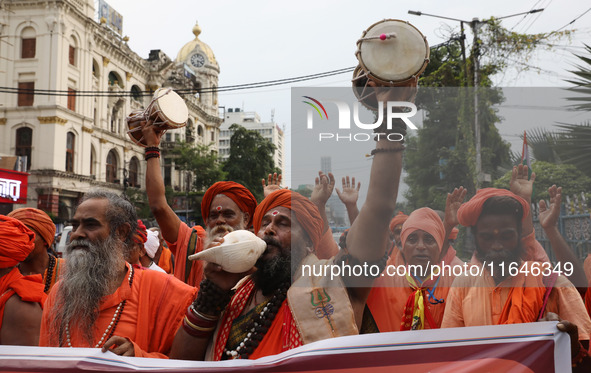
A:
270, 241
80, 243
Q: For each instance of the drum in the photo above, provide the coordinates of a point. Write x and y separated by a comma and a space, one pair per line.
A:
391, 53
167, 110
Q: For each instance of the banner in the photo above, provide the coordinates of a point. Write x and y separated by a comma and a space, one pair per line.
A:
13, 186
533, 347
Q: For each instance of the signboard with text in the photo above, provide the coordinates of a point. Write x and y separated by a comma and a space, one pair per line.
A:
13, 186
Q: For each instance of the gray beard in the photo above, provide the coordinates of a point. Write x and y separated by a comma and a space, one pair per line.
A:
218, 231
90, 274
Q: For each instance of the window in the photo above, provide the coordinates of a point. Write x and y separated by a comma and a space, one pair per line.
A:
134, 166
92, 161
212, 135
70, 142
28, 47
136, 93
26, 93
72, 99
28, 43
24, 141
112, 167
72, 55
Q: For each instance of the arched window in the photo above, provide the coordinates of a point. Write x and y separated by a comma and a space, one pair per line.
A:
134, 167
136, 93
70, 143
115, 79
28, 43
92, 161
96, 72
199, 131
72, 51
24, 142
112, 167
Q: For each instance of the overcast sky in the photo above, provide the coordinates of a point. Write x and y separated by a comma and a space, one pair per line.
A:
261, 40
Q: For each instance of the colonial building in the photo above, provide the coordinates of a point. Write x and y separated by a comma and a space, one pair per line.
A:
252, 121
69, 80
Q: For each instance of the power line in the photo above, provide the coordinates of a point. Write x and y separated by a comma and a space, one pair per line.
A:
573, 21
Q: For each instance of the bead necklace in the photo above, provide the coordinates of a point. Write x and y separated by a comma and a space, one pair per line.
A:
259, 325
114, 321
49, 274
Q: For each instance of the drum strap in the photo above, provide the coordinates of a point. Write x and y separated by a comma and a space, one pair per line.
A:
191, 248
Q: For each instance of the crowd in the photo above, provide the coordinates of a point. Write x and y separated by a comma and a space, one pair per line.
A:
134, 291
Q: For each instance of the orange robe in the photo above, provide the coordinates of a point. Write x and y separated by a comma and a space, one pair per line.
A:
389, 295
475, 301
181, 251
154, 310
28, 288
165, 261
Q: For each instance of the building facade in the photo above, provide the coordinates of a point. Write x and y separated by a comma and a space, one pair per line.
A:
252, 121
70, 80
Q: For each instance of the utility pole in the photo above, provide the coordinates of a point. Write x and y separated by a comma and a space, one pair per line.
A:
474, 24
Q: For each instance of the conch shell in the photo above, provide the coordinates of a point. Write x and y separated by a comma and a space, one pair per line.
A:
238, 253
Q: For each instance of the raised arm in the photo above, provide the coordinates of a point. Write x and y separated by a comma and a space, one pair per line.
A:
273, 184
523, 186
323, 187
349, 197
564, 254
452, 204
168, 221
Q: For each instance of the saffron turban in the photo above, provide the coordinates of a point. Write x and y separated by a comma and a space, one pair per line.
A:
38, 221
470, 211
152, 244
236, 192
427, 220
16, 241
397, 220
305, 212
140, 236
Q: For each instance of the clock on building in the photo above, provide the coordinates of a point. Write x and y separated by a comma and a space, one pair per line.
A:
197, 60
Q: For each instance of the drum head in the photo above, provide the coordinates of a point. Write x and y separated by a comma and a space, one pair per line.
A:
172, 108
396, 58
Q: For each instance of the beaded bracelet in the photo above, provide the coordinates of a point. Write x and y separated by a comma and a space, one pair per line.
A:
150, 155
387, 150
152, 148
212, 299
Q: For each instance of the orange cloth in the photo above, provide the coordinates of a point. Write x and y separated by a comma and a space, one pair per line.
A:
475, 301
305, 211
587, 268
28, 288
327, 248
389, 295
165, 261
180, 250
238, 193
37, 220
282, 334
155, 307
16, 241
427, 220
470, 211
454, 234
397, 220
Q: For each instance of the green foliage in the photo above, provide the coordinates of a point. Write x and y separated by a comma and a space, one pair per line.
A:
567, 176
582, 84
201, 161
139, 199
251, 159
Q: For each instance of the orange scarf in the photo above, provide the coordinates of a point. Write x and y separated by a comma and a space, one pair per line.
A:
28, 288
283, 334
165, 261
525, 300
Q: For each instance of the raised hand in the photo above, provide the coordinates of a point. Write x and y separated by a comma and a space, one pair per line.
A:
452, 205
273, 184
520, 184
323, 187
152, 134
549, 214
350, 194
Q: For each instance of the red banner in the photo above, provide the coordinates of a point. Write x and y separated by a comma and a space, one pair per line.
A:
13, 186
533, 347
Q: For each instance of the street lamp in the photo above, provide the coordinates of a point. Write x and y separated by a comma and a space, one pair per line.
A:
476, 56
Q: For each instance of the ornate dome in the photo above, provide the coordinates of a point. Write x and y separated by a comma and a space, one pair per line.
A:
188, 48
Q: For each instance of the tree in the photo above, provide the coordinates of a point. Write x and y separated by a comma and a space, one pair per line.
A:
201, 161
251, 159
567, 176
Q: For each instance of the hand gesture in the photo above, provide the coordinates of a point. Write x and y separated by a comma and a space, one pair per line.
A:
152, 134
520, 184
323, 187
122, 346
272, 185
549, 214
452, 205
350, 194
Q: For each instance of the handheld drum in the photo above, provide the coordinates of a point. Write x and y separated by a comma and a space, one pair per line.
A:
391, 53
167, 110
